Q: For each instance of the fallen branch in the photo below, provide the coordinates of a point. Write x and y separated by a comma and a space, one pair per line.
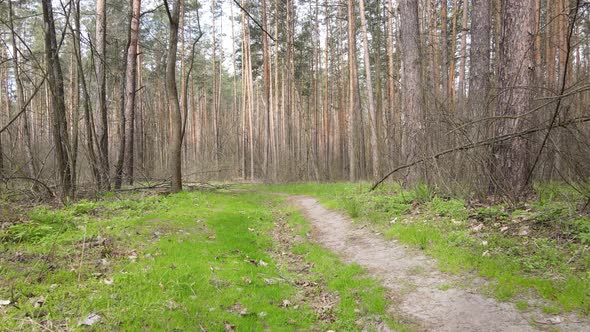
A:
485, 142
154, 186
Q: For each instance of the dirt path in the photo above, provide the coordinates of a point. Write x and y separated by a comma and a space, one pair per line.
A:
421, 292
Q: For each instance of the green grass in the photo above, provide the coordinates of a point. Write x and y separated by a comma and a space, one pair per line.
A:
539, 249
175, 263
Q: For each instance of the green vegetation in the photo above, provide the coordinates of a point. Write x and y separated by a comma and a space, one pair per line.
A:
242, 260
538, 248
216, 260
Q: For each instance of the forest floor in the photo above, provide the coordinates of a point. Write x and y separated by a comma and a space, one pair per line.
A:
199, 260
419, 291
520, 265
249, 259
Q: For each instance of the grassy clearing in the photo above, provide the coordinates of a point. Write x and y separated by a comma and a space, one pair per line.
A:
538, 249
181, 262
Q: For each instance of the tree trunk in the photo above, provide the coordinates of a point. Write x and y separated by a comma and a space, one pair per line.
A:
173, 102
249, 90
353, 105
451, 84
235, 87
101, 105
433, 38
371, 101
130, 89
538, 64
479, 72
122, 117
245, 100
327, 93
463, 65
88, 118
394, 127
266, 91
412, 113
279, 131
214, 94
31, 168
509, 164
56, 85
444, 50
4, 100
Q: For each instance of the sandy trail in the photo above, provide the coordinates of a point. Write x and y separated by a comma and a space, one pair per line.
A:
420, 291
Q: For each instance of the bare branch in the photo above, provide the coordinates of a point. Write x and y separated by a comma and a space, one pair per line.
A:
485, 142
255, 21
568, 50
25, 106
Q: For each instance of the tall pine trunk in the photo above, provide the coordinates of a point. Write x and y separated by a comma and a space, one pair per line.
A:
173, 102
371, 101
130, 92
353, 102
412, 113
59, 123
30, 165
101, 105
510, 158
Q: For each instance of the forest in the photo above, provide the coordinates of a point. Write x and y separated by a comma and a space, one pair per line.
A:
483, 98
460, 128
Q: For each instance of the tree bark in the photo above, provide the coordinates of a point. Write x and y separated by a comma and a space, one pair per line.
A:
371, 101
394, 127
266, 92
463, 64
101, 105
353, 106
214, 94
451, 84
279, 130
433, 38
479, 72
30, 165
327, 93
412, 113
88, 118
173, 102
510, 158
130, 92
538, 64
4, 100
119, 165
444, 50
235, 88
59, 122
